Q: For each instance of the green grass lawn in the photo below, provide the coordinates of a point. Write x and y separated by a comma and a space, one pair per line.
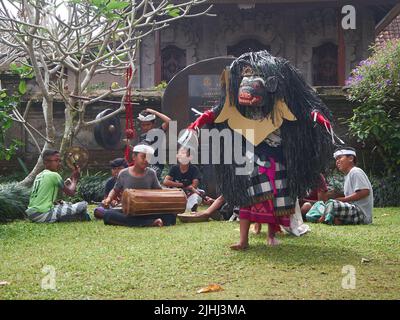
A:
94, 261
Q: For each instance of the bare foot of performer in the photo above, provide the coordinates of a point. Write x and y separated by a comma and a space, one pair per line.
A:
244, 236
271, 239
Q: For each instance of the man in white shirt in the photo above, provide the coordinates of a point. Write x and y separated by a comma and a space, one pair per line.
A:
356, 205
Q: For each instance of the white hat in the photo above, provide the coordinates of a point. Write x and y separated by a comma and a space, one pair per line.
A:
344, 152
143, 148
149, 117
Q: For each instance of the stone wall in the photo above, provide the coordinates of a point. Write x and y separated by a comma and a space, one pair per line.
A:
98, 158
290, 31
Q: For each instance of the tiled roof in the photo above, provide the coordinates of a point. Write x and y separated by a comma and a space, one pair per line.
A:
391, 32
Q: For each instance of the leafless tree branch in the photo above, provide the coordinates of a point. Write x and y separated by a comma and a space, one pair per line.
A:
85, 38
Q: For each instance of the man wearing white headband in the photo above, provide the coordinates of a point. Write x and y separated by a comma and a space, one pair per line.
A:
138, 176
357, 204
345, 152
147, 119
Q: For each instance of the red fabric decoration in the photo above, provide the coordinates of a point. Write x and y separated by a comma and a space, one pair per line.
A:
205, 118
129, 128
321, 119
130, 134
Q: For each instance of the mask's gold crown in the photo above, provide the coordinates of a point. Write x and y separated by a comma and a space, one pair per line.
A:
247, 71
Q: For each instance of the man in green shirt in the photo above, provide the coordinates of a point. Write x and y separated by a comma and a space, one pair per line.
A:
45, 190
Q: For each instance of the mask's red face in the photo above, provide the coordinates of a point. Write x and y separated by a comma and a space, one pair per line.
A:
251, 91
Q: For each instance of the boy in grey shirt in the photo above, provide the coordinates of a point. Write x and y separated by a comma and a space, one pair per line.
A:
139, 176
356, 205
357, 180
126, 180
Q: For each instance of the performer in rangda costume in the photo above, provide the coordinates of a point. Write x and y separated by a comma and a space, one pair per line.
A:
292, 139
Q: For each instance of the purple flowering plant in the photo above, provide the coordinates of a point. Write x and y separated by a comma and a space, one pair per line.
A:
374, 88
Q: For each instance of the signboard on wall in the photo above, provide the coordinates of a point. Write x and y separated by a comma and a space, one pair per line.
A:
197, 86
204, 92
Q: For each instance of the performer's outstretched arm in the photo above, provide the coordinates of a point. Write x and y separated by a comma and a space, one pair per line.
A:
317, 116
206, 118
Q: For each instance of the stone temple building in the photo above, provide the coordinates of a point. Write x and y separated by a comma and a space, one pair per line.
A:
308, 33
324, 39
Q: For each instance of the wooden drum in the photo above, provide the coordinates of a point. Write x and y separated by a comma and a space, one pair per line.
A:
149, 201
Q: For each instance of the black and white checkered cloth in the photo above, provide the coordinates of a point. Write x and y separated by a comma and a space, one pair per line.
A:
347, 213
261, 188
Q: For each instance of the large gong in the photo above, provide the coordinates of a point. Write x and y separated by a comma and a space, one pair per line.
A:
108, 132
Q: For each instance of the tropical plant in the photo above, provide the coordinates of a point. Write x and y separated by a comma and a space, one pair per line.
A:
335, 181
91, 187
14, 200
7, 104
374, 87
386, 190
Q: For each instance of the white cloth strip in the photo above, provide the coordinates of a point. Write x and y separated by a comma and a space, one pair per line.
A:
149, 117
345, 152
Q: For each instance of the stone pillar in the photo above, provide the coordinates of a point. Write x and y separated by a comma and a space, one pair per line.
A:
157, 56
341, 53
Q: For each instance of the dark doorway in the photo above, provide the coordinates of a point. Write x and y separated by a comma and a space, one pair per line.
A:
325, 65
246, 46
173, 60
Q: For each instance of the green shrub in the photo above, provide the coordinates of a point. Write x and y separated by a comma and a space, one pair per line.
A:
335, 181
374, 86
14, 200
14, 177
386, 191
7, 104
91, 187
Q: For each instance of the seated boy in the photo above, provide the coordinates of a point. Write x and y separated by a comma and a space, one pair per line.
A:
138, 176
186, 176
117, 165
356, 205
44, 193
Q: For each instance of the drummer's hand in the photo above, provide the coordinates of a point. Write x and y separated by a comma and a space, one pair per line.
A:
114, 203
106, 202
